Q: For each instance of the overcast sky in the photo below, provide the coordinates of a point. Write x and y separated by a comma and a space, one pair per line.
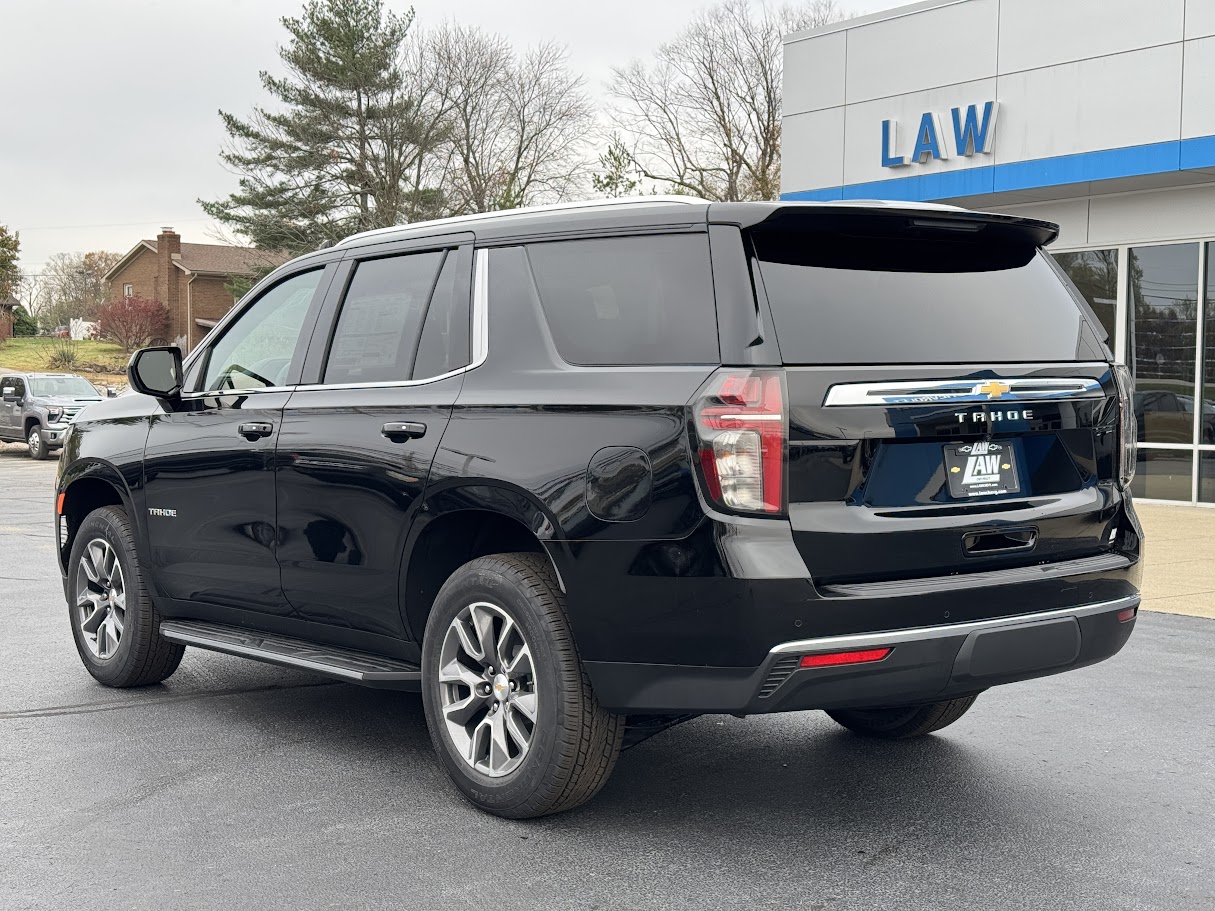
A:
108, 124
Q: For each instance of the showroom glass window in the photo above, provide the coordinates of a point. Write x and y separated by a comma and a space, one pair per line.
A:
1095, 275
1162, 326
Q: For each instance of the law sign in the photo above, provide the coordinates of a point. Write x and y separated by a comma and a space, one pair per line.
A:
972, 132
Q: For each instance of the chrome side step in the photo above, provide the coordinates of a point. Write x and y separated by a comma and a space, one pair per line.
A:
345, 664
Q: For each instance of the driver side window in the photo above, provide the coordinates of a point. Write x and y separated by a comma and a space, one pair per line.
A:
256, 349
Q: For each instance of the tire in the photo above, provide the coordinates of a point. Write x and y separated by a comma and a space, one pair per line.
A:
903, 722
38, 449
137, 655
573, 743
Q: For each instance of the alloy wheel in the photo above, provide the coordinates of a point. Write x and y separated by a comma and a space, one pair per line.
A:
35, 442
101, 598
487, 689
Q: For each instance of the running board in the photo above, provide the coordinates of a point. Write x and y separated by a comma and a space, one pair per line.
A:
343, 663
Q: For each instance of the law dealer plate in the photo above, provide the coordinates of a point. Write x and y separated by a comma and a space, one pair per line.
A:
981, 469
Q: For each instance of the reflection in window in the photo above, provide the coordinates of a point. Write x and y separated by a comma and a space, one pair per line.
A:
1163, 324
1206, 477
1095, 274
1164, 474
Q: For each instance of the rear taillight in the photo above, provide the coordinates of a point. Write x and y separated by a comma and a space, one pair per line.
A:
835, 659
1128, 432
741, 427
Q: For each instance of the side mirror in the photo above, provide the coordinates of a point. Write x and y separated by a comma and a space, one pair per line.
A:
10, 393
156, 371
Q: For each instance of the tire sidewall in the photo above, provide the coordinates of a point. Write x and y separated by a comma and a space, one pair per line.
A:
101, 525
515, 790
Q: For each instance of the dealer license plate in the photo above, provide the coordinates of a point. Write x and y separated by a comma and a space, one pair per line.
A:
981, 469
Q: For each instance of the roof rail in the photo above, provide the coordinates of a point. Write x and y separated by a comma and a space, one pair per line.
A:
623, 201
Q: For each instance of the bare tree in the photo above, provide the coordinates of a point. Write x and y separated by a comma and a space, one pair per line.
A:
705, 117
73, 285
515, 123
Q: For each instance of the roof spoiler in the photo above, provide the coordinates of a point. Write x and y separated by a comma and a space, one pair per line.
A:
885, 219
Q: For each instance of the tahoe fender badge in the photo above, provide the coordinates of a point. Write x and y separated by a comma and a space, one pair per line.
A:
166, 513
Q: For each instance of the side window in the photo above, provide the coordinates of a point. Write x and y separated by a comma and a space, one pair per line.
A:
381, 316
629, 300
19, 387
256, 349
445, 334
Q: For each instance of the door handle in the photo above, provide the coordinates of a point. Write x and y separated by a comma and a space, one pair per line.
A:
400, 431
252, 430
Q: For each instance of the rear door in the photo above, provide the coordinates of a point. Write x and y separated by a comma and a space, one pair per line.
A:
386, 365
952, 406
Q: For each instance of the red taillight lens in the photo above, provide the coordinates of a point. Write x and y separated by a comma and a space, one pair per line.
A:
1127, 614
834, 659
740, 425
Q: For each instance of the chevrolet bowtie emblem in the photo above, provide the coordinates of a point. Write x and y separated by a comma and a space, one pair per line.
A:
993, 389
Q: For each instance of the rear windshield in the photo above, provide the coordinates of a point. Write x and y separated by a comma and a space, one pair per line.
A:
838, 298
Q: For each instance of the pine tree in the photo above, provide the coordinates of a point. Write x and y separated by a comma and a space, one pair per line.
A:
336, 152
10, 275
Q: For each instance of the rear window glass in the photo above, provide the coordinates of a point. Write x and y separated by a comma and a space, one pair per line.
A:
840, 299
628, 300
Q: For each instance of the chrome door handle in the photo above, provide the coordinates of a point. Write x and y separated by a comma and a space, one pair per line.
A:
253, 430
400, 431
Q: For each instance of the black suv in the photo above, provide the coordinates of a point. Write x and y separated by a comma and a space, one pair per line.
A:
582, 472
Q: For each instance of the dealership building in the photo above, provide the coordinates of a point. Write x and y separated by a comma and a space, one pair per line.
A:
1095, 114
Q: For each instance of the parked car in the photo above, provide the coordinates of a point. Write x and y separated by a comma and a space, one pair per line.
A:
1167, 417
581, 473
37, 408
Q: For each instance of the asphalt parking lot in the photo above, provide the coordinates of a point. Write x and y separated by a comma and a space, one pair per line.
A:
240, 785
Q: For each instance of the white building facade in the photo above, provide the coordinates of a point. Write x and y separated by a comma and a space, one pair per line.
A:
1095, 114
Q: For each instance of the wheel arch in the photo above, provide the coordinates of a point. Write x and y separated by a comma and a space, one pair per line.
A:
85, 487
458, 523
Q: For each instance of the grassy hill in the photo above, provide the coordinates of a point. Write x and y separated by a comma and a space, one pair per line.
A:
99, 362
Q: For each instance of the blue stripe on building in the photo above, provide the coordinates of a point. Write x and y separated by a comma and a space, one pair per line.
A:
1107, 164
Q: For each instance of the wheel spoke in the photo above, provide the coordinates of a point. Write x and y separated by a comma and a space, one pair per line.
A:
518, 732
499, 750
478, 743
521, 664
118, 619
455, 672
94, 619
109, 563
471, 648
88, 561
483, 625
502, 643
525, 704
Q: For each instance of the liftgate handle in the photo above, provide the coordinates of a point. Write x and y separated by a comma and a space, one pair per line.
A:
255, 429
400, 431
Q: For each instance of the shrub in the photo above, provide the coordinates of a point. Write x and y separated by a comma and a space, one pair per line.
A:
64, 354
132, 322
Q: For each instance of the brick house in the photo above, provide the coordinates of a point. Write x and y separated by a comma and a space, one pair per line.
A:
6, 317
189, 279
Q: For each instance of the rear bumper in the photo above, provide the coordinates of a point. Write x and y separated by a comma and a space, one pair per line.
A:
926, 664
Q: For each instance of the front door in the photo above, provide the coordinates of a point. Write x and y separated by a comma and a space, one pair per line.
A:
12, 391
208, 466
357, 444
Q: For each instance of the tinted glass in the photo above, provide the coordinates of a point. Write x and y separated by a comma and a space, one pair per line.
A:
380, 319
76, 386
1164, 321
628, 300
1164, 474
255, 350
1206, 477
1095, 275
445, 334
842, 300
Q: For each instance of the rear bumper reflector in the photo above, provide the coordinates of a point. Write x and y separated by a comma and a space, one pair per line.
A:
834, 659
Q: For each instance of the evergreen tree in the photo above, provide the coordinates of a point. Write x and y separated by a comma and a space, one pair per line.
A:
336, 153
619, 176
10, 276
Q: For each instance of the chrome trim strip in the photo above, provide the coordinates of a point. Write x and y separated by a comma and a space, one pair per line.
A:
213, 393
931, 392
946, 631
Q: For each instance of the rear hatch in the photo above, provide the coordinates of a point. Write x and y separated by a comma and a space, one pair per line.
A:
951, 402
